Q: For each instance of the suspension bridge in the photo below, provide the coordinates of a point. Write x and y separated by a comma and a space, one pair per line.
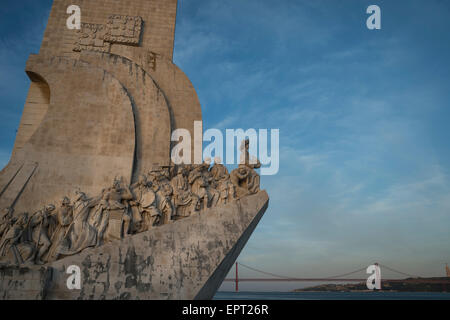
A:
335, 278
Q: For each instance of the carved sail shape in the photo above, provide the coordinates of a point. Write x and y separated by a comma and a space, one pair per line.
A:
86, 137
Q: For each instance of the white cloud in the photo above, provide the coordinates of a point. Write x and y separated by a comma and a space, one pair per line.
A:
228, 122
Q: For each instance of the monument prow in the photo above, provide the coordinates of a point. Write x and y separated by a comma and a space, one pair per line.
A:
186, 259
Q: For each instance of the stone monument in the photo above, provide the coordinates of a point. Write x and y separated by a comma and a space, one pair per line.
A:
91, 183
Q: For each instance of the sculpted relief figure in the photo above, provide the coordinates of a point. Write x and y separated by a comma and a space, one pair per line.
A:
99, 217
144, 207
219, 171
64, 219
80, 234
225, 188
160, 178
185, 202
15, 245
165, 203
211, 185
5, 216
7, 236
115, 220
42, 223
199, 185
245, 178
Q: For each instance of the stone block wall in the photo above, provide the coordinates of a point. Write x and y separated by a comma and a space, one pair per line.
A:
22, 283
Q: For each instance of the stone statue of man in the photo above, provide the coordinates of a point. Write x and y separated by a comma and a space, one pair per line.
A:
144, 207
64, 218
5, 217
41, 224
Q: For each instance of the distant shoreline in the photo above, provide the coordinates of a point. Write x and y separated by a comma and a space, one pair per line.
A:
436, 284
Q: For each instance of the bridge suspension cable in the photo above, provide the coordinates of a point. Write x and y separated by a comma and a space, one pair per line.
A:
403, 273
286, 277
263, 272
346, 274
331, 277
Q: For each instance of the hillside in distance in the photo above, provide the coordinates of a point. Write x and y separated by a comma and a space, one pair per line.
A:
436, 284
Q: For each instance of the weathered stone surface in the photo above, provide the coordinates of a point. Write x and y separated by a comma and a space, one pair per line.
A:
152, 112
186, 259
158, 29
24, 283
86, 137
17, 179
184, 104
183, 98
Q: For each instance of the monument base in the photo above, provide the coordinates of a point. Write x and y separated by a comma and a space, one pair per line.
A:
186, 259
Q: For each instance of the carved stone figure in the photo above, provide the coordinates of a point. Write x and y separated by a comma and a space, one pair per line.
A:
211, 184
223, 184
158, 176
5, 216
81, 201
138, 190
42, 224
118, 219
245, 178
219, 171
184, 200
226, 191
8, 236
144, 207
245, 157
165, 203
179, 182
64, 219
14, 246
80, 234
199, 185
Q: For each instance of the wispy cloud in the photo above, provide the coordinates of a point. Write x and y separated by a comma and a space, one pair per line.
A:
361, 178
365, 164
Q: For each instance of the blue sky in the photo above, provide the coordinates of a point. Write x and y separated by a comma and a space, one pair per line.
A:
363, 118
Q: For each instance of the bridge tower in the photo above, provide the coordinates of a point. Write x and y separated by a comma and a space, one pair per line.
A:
237, 278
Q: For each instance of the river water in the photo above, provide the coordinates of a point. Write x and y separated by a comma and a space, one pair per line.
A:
332, 296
